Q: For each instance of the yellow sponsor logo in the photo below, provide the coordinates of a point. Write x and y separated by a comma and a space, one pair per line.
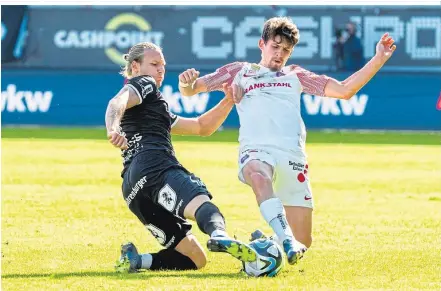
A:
120, 33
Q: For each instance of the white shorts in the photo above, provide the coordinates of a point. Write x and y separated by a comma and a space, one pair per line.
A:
290, 179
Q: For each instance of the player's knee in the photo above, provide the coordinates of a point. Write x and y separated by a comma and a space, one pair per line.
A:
194, 205
261, 184
259, 179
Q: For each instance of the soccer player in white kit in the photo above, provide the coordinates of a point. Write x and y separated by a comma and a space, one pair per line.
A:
272, 158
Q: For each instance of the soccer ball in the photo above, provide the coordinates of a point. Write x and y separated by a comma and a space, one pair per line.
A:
269, 259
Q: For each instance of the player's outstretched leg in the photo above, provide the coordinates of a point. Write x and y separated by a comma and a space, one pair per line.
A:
211, 221
130, 260
259, 175
166, 259
237, 249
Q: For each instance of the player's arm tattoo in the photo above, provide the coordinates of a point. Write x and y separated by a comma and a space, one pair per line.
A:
116, 108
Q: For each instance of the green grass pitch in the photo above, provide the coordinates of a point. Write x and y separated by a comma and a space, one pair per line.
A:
377, 221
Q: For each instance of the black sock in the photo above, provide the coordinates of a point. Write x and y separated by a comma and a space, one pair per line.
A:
209, 218
170, 259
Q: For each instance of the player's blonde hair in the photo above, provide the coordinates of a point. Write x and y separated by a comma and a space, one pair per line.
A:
282, 26
136, 54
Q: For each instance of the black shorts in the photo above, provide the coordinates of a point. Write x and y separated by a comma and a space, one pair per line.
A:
158, 198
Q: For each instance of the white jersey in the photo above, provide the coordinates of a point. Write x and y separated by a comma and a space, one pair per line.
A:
269, 112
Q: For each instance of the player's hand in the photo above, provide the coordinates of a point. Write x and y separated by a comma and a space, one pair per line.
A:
228, 90
188, 77
117, 140
237, 93
385, 47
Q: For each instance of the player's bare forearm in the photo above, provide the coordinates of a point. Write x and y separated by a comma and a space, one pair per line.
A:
360, 78
349, 87
115, 110
211, 120
125, 99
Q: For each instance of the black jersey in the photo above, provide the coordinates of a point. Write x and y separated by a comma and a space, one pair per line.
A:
147, 125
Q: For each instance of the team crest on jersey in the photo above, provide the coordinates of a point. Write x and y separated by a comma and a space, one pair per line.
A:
255, 67
252, 71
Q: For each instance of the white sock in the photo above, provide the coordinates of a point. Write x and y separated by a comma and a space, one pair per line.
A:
146, 261
218, 232
275, 238
274, 213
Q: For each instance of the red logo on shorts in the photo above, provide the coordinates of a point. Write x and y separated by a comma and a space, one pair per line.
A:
307, 198
302, 176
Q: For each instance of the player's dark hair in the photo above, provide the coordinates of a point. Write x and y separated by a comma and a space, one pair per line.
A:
282, 26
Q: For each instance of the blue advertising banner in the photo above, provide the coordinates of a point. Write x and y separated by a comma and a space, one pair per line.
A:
388, 101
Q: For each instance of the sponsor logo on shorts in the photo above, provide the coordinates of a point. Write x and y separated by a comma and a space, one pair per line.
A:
167, 197
302, 168
179, 206
297, 166
138, 186
157, 233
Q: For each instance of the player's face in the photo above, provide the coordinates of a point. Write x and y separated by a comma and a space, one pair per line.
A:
275, 53
153, 65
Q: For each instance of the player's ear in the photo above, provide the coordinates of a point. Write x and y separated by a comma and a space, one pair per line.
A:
261, 44
135, 67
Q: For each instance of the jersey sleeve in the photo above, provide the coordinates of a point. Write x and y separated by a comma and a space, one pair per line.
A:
143, 86
225, 74
311, 83
174, 118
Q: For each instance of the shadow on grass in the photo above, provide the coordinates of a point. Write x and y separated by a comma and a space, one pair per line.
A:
136, 276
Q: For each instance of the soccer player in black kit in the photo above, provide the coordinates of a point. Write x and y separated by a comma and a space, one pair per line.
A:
156, 187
